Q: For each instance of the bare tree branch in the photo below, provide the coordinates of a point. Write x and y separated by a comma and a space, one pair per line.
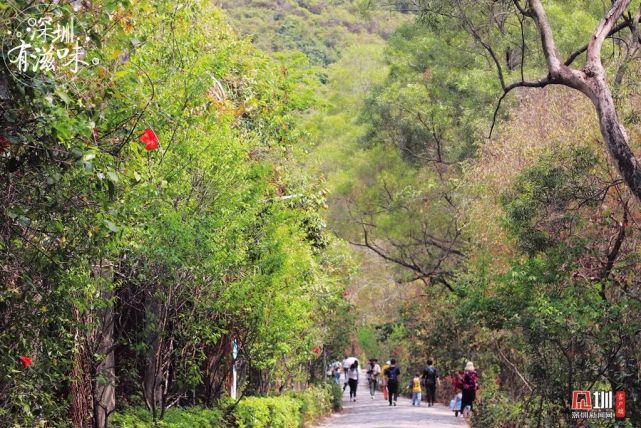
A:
602, 31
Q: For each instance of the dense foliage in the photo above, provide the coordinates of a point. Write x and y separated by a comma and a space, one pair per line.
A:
321, 29
524, 246
165, 207
290, 411
129, 271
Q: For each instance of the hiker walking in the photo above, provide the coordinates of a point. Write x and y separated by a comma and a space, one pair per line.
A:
457, 384
347, 363
373, 372
392, 374
384, 380
336, 372
430, 377
352, 375
470, 385
416, 389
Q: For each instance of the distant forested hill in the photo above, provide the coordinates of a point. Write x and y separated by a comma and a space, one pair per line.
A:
319, 28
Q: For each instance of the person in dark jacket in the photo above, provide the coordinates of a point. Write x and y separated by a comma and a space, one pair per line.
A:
470, 386
392, 374
430, 376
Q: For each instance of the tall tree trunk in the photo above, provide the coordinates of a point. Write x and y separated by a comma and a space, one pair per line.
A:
152, 378
616, 138
104, 375
80, 410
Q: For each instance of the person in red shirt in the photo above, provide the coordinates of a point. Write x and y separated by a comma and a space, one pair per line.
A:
457, 381
470, 386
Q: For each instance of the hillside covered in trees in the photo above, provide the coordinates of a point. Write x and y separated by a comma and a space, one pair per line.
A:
250, 190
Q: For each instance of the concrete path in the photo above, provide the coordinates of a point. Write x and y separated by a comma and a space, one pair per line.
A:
376, 413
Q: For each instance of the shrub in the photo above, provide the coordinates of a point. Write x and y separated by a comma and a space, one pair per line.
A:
317, 401
293, 410
193, 417
272, 412
336, 395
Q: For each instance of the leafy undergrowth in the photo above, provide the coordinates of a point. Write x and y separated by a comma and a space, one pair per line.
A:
292, 410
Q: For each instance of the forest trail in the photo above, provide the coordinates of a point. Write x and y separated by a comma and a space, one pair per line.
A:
368, 413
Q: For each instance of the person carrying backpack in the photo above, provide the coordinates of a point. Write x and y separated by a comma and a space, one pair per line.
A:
392, 374
430, 377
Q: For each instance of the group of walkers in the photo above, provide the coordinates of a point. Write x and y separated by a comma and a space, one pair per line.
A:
465, 383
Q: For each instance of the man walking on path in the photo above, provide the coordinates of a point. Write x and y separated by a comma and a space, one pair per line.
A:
373, 372
430, 376
392, 374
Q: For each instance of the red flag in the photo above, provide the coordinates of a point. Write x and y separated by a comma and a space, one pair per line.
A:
4, 143
26, 361
149, 139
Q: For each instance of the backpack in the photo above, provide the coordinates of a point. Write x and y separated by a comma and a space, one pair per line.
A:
430, 375
392, 374
470, 381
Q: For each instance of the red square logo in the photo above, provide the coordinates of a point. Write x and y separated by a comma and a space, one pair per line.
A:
581, 400
619, 405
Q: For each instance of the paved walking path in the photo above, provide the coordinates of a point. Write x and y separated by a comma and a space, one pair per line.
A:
376, 413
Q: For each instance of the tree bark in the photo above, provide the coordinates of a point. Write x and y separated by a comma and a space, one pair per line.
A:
104, 390
152, 378
615, 136
80, 409
102, 344
592, 82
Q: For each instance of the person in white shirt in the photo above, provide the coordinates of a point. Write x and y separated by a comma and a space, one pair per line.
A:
347, 362
352, 376
373, 374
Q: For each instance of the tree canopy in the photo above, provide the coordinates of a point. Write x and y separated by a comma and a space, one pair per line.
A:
258, 189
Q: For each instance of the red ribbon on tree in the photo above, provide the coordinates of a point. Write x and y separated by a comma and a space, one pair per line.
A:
26, 361
149, 139
4, 143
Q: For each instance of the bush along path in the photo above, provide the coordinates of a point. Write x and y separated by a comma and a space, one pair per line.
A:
291, 410
376, 413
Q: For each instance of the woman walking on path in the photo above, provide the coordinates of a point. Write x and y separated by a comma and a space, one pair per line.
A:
347, 363
470, 385
352, 375
391, 376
